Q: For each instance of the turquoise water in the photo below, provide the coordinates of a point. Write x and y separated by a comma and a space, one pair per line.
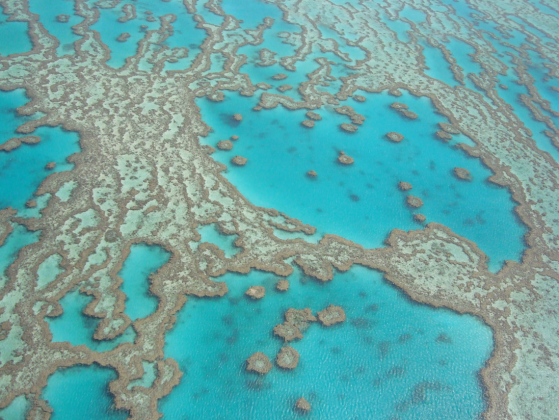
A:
9, 251
185, 32
16, 410
361, 202
393, 358
23, 169
13, 35
212, 235
78, 329
61, 31
375, 365
141, 263
512, 94
82, 393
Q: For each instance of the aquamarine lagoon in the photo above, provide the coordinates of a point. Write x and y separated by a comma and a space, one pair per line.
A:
161, 160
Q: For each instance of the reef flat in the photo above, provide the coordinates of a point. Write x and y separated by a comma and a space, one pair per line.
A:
143, 176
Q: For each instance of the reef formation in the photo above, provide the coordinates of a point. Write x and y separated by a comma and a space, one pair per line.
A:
144, 177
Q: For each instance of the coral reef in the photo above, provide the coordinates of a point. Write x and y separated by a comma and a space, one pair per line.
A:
313, 116
225, 145
287, 358
308, 123
256, 292
404, 186
239, 161
395, 137
284, 88
123, 37
419, 218
443, 135
414, 202
303, 405
258, 363
282, 285
349, 127
463, 174
288, 332
345, 159
331, 315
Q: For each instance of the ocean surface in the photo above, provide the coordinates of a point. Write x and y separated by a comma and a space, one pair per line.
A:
392, 358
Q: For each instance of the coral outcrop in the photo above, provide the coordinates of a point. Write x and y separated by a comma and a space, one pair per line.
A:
331, 315
258, 363
256, 292
288, 332
303, 405
63, 18
285, 88
419, 218
313, 116
414, 202
463, 174
123, 37
308, 123
404, 186
349, 127
345, 159
282, 285
239, 161
395, 137
225, 145
287, 358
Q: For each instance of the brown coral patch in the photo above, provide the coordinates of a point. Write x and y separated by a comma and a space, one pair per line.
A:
303, 405
288, 331
283, 285
463, 174
404, 186
398, 106
419, 218
331, 315
395, 137
414, 202
256, 292
313, 116
258, 363
239, 160
287, 358
349, 127
225, 145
